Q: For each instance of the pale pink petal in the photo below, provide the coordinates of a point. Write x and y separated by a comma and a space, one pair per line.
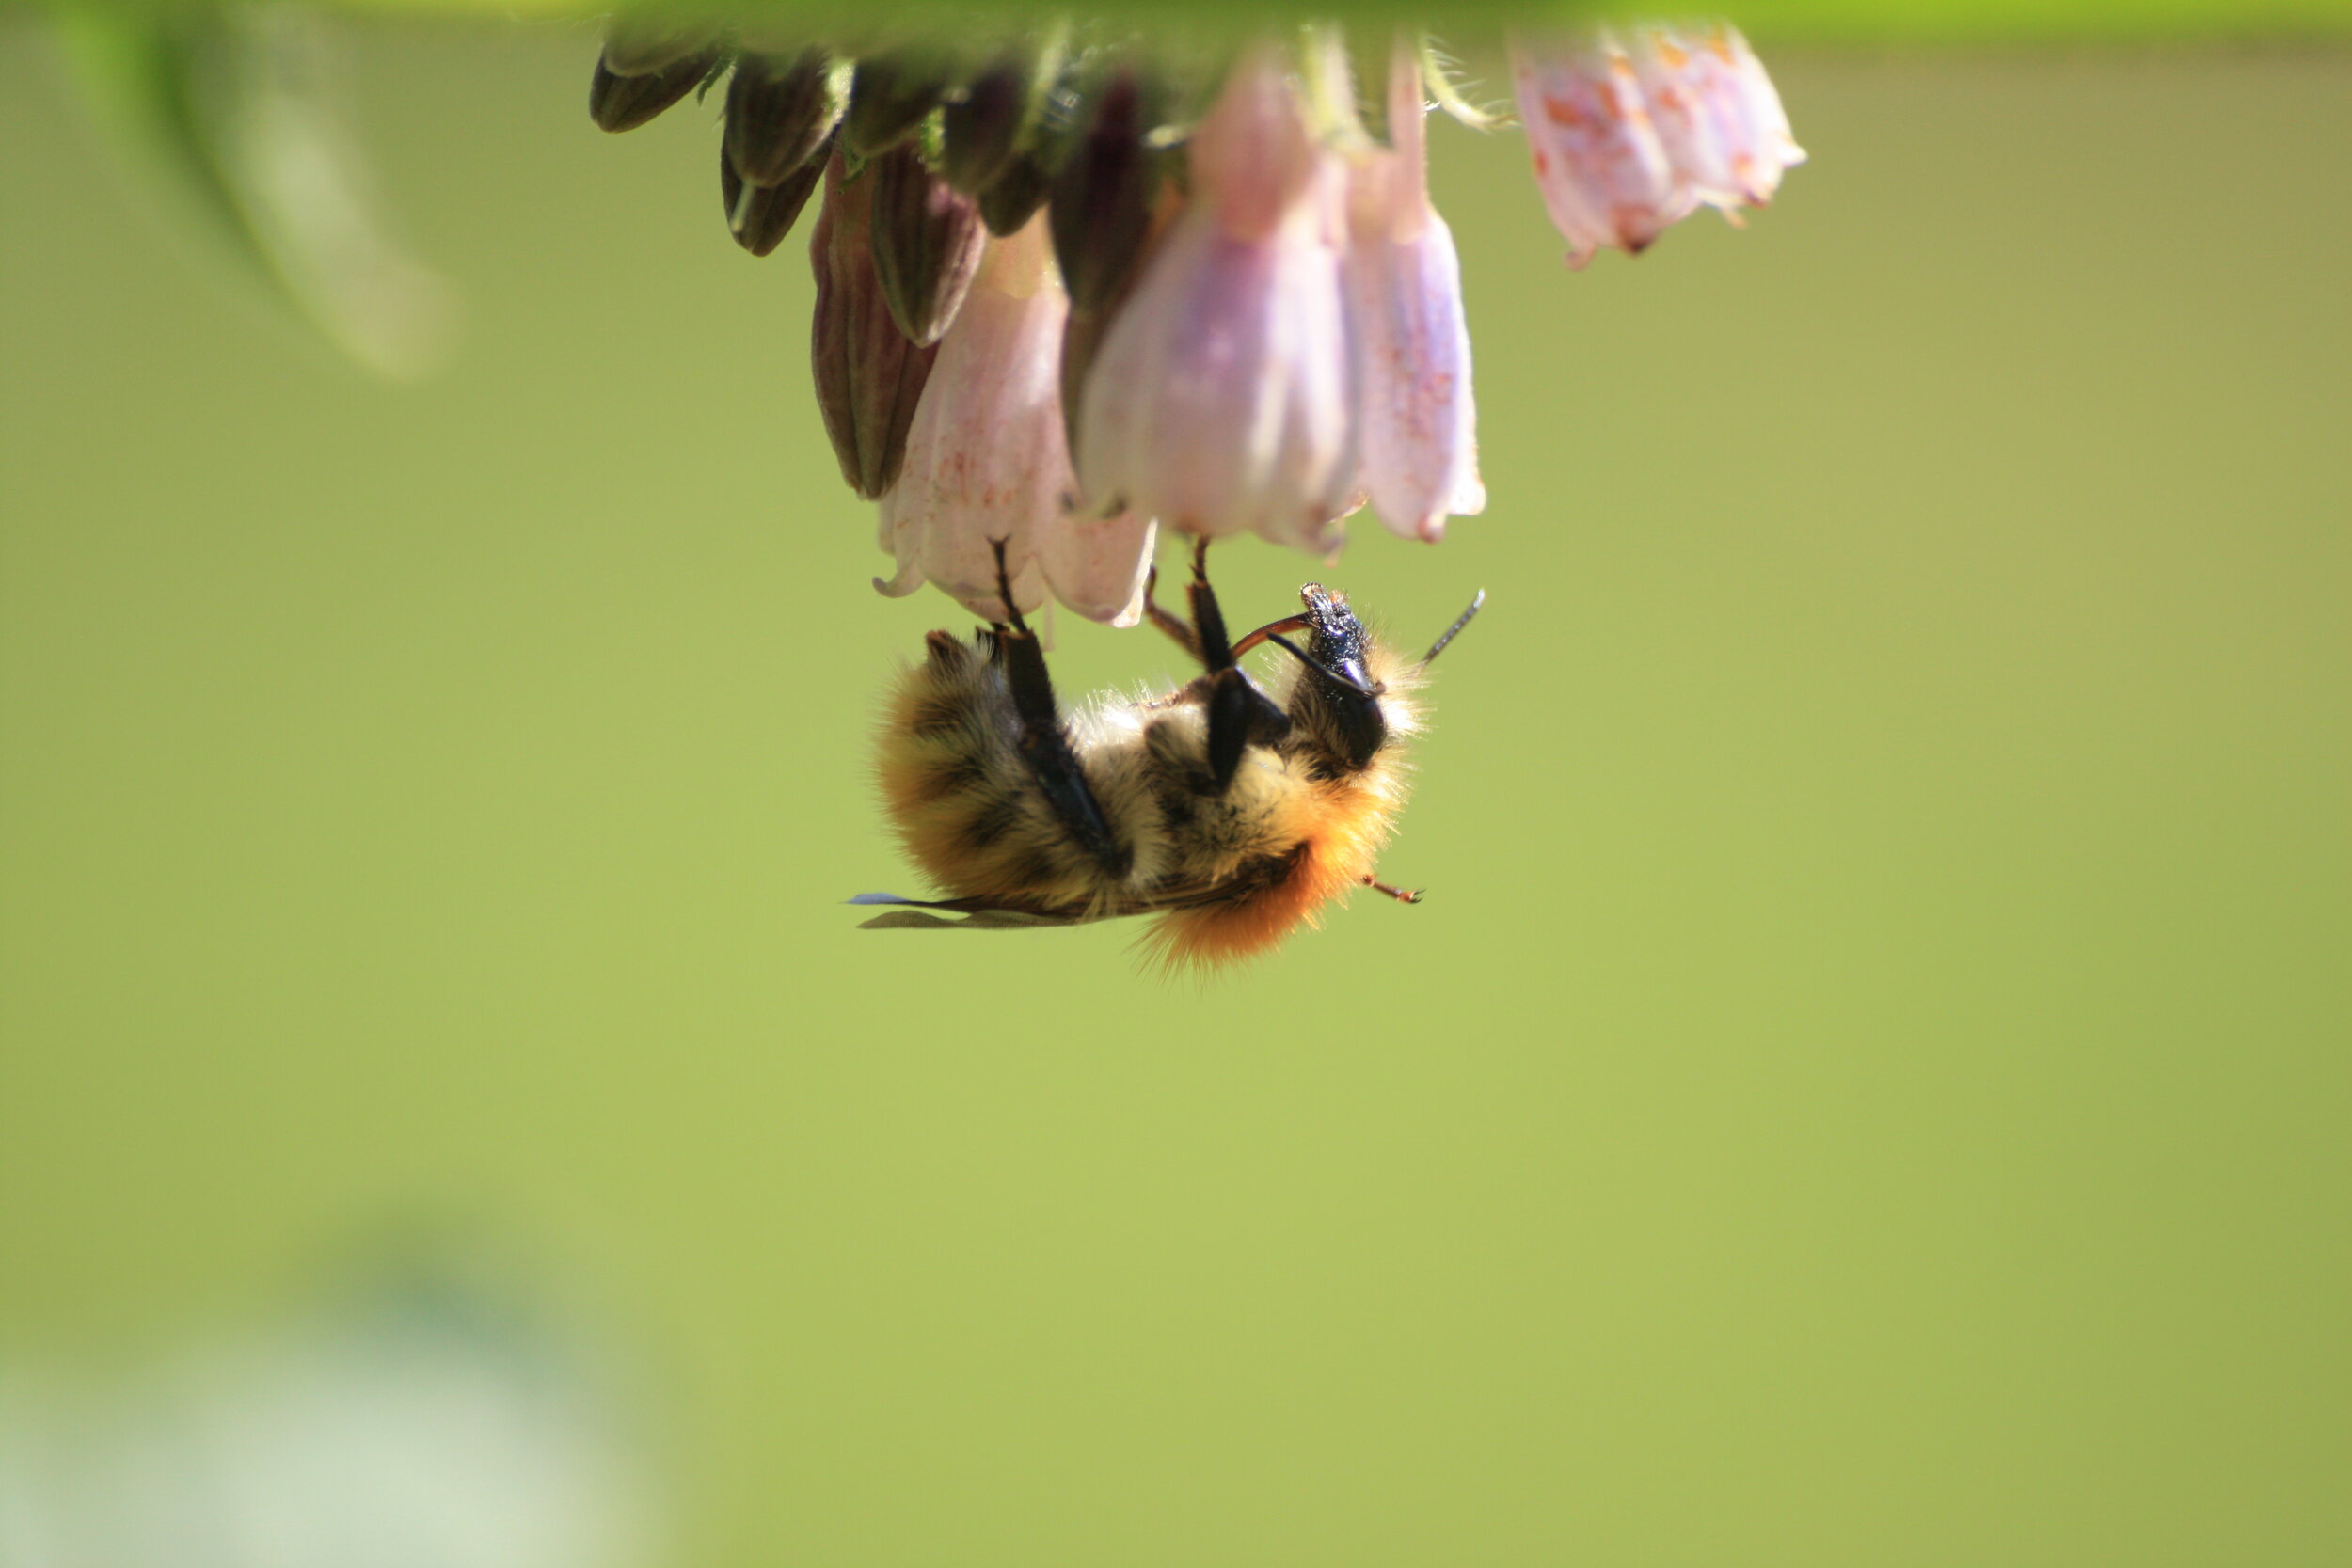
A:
1098, 566
1253, 155
1694, 110
1775, 146
984, 456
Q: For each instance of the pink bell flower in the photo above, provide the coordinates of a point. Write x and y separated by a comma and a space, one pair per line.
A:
986, 460
1224, 397
1420, 443
1598, 162
1627, 142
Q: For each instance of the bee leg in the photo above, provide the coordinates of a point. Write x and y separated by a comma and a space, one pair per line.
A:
1163, 619
1239, 713
1402, 895
1044, 745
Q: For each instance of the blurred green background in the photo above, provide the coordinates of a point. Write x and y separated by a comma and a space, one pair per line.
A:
1869, 1082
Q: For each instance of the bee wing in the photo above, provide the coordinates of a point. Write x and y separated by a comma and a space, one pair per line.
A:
913, 915
910, 914
979, 920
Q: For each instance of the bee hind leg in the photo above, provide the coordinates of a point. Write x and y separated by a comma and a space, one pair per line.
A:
1044, 744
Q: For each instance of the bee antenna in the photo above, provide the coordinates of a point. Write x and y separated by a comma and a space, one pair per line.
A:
1454, 630
1318, 666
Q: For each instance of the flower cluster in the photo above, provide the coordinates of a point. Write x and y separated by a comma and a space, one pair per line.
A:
1064, 299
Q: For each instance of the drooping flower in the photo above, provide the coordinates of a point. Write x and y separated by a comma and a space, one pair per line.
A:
1419, 444
987, 461
1628, 141
1598, 163
1225, 394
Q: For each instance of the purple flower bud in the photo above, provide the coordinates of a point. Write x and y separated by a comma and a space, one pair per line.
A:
986, 460
780, 113
1103, 196
891, 93
759, 217
623, 101
928, 240
1224, 395
1013, 197
1420, 459
642, 45
869, 376
994, 115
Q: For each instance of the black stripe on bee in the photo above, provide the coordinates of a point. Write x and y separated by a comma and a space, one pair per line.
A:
950, 775
991, 823
938, 716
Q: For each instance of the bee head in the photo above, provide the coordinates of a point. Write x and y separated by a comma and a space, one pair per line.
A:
1336, 700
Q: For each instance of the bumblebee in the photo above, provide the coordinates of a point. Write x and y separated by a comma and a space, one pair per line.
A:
1231, 811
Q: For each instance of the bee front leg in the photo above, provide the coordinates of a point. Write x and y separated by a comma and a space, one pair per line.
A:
1239, 714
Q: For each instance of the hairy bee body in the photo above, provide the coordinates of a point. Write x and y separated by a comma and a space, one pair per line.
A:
1231, 811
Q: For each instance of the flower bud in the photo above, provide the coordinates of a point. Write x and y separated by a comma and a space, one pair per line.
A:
928, 240
639, 45
1420, 442
1013, 197
986, 461
623, 103
1225, 394
759, 217
779, 112
994, 114
1103, 196
869, 376
891, 93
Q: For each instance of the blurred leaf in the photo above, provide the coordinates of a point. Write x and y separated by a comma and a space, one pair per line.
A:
236, 108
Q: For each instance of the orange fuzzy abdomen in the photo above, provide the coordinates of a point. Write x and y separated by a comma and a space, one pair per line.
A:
1349, 823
